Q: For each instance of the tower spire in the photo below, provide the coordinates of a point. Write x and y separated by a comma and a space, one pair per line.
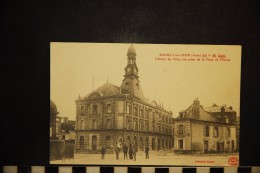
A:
131, 82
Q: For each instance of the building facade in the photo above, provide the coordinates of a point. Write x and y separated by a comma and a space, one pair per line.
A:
115, 115
201, 129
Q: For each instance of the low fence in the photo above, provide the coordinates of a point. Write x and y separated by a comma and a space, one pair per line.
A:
61, 149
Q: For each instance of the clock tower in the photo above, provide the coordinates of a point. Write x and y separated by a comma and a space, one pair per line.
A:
131, 82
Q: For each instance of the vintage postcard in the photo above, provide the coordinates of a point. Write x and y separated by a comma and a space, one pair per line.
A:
144, 104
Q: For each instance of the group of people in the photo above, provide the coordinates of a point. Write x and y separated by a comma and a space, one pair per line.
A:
128, 152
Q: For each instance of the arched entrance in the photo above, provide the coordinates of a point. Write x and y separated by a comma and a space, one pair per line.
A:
141, 143
94, 142
159, 144
81, 141
153, 144
108, 141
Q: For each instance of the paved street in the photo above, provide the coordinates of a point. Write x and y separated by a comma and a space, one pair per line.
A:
156, 158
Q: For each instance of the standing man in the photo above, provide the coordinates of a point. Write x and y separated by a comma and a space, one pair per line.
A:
134, 152
125, 149
130, 152
117, 150
103, 151
147, 152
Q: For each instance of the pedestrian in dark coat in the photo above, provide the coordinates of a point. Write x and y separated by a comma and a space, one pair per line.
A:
103, 151
146, 152
125, 149
117, 150
130, 152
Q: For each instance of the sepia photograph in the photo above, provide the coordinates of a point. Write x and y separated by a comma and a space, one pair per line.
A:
144, 104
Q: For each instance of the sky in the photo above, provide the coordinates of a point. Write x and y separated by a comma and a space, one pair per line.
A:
79, 68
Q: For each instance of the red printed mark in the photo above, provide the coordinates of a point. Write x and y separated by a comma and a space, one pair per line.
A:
233, 161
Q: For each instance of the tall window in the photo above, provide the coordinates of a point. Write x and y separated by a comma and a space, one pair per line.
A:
108, 124
163, 130
146, 114
128, 124
146, 126
82, 124
94, 124
94, 109
215, 131
180, 130
207, 131
128, 109
109, 108
228, 132
135, 125
135, 111
181, 144
141, 113
82, 110
153, 128
141, 126
159, 128
163, 118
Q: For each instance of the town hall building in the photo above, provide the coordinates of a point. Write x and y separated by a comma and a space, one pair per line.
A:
115, 115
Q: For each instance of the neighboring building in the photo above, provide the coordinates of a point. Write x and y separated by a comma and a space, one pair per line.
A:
53, 115
205, 129
112, 116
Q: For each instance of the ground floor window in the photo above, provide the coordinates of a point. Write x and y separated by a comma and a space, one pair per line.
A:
81, 141
181, 144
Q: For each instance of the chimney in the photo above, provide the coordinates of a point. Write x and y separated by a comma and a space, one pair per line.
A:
196, 108
223, 118
230, 107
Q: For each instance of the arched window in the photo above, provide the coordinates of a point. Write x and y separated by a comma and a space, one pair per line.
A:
108, 141
94, 124
81, 141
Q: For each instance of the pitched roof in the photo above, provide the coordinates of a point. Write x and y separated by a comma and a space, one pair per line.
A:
215, 109
203, 115
105, 90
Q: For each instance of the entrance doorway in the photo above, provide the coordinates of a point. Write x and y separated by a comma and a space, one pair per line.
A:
94, 142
